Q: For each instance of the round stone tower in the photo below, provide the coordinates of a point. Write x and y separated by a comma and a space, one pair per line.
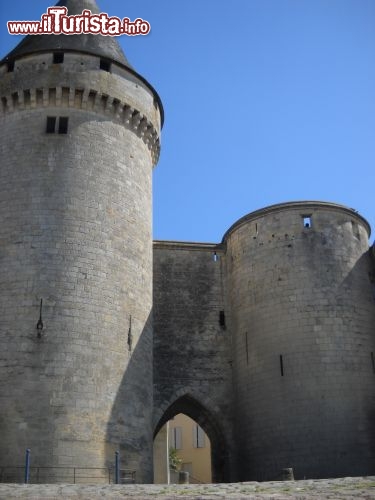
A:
79, 137
301, 293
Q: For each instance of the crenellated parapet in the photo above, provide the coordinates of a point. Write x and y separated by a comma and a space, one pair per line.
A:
88, 99
79, 82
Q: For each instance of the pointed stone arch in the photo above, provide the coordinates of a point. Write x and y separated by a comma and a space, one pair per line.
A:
191, 407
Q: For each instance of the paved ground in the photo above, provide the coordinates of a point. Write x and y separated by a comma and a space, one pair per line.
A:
344, 488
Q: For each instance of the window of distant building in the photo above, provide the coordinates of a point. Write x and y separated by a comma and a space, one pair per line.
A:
198, 437
176, 438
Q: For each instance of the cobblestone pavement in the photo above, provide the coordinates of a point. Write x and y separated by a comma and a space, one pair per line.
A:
344, 488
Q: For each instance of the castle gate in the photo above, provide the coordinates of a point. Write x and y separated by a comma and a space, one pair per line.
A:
192, 347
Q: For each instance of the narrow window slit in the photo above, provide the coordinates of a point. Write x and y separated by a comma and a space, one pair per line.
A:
130, 335
215, 257
222, 319
247, 348
373, 362
281, 365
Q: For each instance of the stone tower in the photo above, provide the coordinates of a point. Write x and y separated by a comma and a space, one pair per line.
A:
273, 350
79, 137
300, 296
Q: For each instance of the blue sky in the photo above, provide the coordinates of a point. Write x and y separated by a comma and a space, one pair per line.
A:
265, 101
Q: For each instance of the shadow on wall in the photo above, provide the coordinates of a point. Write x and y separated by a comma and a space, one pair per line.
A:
129, 428
361, 280
219, 449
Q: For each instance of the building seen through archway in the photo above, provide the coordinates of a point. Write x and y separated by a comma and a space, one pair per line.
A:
203, 428
184, 445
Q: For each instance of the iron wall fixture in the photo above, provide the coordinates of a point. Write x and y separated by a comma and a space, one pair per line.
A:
39, 325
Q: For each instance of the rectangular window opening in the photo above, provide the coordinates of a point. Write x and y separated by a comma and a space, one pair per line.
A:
215, 257
281, 365
198, 437
105, 65
10, 66
58, 57
307, 221
63, 125
51, 124
176, 438
222, 319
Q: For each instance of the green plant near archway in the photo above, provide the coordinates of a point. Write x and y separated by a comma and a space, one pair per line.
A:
174, 460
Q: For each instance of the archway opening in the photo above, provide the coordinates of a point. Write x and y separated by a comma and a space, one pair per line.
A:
184, 446
203, 428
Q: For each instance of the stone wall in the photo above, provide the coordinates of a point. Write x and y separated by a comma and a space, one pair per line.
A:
266, 340
192, 344
303, 316
288, 303
75, 231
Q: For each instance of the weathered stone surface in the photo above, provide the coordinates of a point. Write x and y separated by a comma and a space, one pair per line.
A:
75, 231
192, 351
302, 318
349, 488
299, 314
266, 340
